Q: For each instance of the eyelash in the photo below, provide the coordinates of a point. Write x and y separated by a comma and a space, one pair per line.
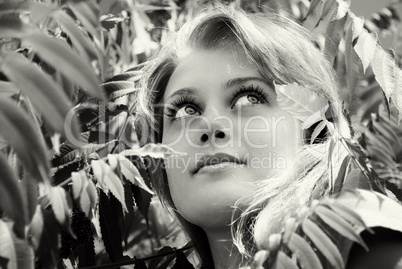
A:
244, 90
175, 105
172, 109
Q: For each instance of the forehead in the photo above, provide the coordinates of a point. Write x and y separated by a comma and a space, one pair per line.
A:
210, 68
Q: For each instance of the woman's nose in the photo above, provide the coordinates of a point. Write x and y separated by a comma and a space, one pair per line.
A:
217, 134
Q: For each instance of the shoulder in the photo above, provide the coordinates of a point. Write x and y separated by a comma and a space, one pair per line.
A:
383, 236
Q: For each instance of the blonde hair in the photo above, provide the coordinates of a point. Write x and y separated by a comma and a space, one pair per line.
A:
284, 52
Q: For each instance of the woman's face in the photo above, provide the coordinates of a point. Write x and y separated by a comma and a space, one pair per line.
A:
224, 115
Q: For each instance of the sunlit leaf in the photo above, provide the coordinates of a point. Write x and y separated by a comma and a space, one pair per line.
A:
323, 243
337, 223
397, 94
383, 65
317, 130
117, 89
54, 51
154, 151
299, 101
18, 130
24, 253
7, 248
341, 174
365, 47
47, 96
305, 254
11, 200
343, 7
36, 227
108, 180
128, 169
59, 200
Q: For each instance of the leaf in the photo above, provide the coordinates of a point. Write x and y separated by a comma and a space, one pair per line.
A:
317, 130
47, 96
14, 28
354, 68
16, 7
365, 48
54, 51
140, 264
299, 101
78, 39
337, 223
284, 262
111, 234
155, 262
92, 194
334, 34
397, 94
24, 253
17, 129
108, 180
154, 151
343, 8
109, 21
88, 14
7, 248
142, 200
341, 174
11, 199
129, 171
60, 204
314, 14
306, 256
323, 243
133, 76
129, 217
117, 89
30, 195
383, 65
80, 191
182, 262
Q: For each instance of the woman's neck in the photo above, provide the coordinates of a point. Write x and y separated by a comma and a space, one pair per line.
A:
224, 253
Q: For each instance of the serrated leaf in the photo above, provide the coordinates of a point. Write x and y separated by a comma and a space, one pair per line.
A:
323, 243
334, 34
47, 96
358, 24
341, 174
92, 194
299, 101
383, 65
154, 151
365, 48
337, 223
397, 94
79, 40
30, 195
343, 8
116, 89
354, 69
306, 256
108, 180
129, 171
133, 76
54, 51
18, 130
11, 199
142, 200
7, 248
61, 208
110, 228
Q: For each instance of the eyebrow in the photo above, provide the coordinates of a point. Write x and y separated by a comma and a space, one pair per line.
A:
230, 83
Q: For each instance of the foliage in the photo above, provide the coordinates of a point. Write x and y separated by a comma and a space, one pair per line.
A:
75, 190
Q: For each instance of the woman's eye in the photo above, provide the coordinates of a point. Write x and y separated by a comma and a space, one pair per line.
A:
249, 99
186, 111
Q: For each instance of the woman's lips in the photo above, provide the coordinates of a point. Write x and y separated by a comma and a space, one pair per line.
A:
215, 163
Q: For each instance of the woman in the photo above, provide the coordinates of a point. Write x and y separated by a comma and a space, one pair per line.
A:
217, 91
